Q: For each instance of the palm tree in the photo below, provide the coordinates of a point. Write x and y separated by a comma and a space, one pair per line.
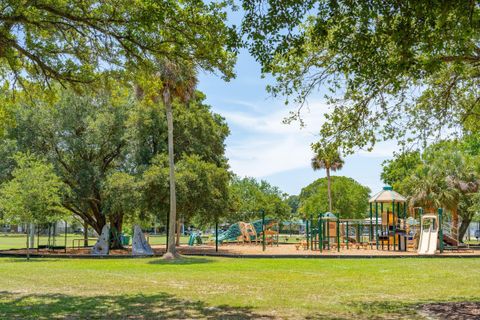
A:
429, 189
461, 176
444, 183
178, 81
327, 158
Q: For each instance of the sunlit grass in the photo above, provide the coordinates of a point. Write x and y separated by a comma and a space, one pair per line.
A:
18, 241
288, 288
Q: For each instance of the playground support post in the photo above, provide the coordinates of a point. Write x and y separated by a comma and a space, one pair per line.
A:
278, 234
338, 234
358, 236
346, 233
38, 237
371, 226
383, 231
216, 235
307, 232
376, 224
388, 229
320, 233
312, 235
398, 215
66, 226
328, 234
263, 229
394, 225
440, 228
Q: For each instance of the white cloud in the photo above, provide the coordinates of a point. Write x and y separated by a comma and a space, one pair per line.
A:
270, 146
276, 147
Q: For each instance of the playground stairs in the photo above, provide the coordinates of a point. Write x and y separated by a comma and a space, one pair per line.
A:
451, 238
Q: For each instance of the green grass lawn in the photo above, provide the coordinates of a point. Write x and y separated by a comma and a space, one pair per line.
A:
217, 288
18, 241
161, 239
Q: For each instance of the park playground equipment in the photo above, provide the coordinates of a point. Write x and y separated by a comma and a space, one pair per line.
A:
434, 225
428, 234
330, 232
384, 229
195, 238
140, 246
391, 230
390, 226
260, 231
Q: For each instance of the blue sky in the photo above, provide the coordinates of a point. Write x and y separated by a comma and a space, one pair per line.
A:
261, 146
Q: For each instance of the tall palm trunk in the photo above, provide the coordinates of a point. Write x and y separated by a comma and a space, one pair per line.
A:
171, 249
329, 187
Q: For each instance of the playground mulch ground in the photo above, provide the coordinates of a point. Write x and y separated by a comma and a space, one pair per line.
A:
250, 250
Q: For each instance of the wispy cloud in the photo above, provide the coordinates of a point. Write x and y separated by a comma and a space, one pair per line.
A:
268, 146
276, 146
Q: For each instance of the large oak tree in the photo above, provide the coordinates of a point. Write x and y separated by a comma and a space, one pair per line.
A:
72, 40
390, 69
101, 143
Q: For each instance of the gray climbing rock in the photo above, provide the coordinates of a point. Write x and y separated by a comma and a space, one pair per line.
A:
101, 248
140, 246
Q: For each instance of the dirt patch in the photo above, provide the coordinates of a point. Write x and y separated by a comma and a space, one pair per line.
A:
452, 310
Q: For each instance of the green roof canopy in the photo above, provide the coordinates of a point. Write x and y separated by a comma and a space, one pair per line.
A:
329, 215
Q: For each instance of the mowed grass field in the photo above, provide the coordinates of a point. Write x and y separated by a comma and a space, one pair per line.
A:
226, 288
18, 241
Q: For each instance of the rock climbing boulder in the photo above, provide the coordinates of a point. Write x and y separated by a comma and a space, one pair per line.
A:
101, 248
140, 246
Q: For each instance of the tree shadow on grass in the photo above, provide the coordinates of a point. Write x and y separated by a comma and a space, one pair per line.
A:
157, 306
378, 310
32, 260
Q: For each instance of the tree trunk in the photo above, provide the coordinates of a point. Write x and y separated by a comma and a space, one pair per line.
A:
329, 187
171, 250
455, 218
32, 235
116, 226
85, 233
463, 228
